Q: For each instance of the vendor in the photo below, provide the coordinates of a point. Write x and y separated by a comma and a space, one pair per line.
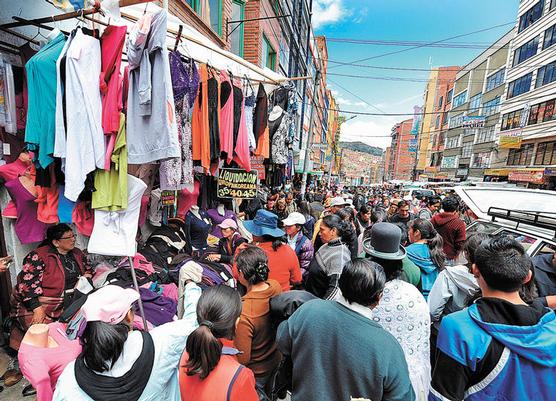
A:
228, 244
45, 284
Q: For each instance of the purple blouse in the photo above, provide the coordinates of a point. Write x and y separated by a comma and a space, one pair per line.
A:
27, 227
217, 218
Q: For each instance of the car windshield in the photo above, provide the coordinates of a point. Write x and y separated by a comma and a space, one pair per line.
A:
482, 227
525, 240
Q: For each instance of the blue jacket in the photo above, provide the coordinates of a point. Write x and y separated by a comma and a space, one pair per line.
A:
420, 254
525, 369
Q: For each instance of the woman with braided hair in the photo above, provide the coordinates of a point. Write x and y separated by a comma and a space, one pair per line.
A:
255, 335
426, 252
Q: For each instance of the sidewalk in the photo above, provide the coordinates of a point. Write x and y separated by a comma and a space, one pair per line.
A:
11, 393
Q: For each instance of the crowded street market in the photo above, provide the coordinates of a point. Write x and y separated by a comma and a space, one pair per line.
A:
167, 235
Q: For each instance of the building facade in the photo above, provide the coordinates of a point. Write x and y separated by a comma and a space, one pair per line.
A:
401, 162
429, 97
527, 138
360, 168
470, 145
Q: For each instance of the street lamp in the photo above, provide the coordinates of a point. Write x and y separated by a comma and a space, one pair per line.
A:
333, 158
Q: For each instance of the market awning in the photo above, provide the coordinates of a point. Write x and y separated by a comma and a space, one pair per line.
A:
195, 45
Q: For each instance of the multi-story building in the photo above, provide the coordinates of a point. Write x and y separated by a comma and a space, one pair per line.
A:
401, 162
444, 85
470, 147
527, 139
386, 168
423, 153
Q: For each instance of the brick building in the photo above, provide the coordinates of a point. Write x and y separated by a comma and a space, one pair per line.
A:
401, 162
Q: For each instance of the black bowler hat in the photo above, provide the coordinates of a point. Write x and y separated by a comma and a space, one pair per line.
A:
384, 242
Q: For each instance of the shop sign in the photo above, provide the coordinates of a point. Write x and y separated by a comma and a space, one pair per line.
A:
432, 169
474, 121
168, 198
237, 183
550, 171
257, 163
533, 176
462, 172
511, 139
497, 172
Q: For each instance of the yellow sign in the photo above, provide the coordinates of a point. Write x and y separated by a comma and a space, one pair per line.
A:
497, 172
510, 142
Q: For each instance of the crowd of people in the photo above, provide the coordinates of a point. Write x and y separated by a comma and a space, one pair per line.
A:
361, 294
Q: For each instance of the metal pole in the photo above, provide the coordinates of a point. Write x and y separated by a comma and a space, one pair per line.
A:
309, 136
134, 278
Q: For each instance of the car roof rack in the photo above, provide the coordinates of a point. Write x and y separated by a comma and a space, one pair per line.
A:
544, 220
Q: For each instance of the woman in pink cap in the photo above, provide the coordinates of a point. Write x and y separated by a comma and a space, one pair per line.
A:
228, 244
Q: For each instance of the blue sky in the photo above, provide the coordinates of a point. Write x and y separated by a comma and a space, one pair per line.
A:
399, 20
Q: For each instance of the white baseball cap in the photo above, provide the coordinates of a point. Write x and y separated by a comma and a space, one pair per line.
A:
293, 219
337, 201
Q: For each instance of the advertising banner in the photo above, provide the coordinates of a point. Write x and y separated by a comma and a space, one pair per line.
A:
474, 121
237, 183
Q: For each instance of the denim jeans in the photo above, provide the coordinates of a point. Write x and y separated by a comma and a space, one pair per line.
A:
264, 386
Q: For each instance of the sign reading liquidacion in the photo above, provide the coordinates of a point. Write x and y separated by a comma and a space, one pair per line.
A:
237, 183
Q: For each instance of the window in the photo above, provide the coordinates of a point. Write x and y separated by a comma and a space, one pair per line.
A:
549, 36
546, 154
453, 142
269, 55
520, 85
444, 118
236, 37
526, 51
496, 79
521, 156
475, 102
210, 12
511, 120
440, 101
481, 160
460, 99
449, 96
449, 162
491, 107
437, 122
530, 16
485, 134
467, 149
456, 121
542, 112
546, 74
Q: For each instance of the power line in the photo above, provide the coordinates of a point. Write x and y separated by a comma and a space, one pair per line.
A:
429, 43
356, 96
447, 45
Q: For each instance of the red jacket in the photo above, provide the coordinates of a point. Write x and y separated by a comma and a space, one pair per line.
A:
452, 229
53, 278
222, 379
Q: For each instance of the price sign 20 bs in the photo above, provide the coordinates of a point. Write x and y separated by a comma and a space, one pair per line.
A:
237, 183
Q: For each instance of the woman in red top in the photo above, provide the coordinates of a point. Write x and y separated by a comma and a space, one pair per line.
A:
209, 369
283, 264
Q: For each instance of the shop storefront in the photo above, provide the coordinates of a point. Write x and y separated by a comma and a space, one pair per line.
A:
528, 177
496, 174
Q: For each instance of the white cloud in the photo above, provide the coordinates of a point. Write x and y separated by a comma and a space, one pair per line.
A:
327, 11
374, 131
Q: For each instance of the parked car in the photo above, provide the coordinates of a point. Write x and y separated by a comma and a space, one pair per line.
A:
528, 215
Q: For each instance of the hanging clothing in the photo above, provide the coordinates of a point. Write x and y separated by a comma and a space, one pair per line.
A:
8, 116
151, 123
242, 155
278, 122
111, 186
112, 44
177, 173
85, 148
226, 117
200, 123
261, 113
250, 101
9, 172
47, 204
27, 227
43, 365
65, 207
263, 145
114, 232
213, 88
41, 82
187, 198
84, 218
61, 115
